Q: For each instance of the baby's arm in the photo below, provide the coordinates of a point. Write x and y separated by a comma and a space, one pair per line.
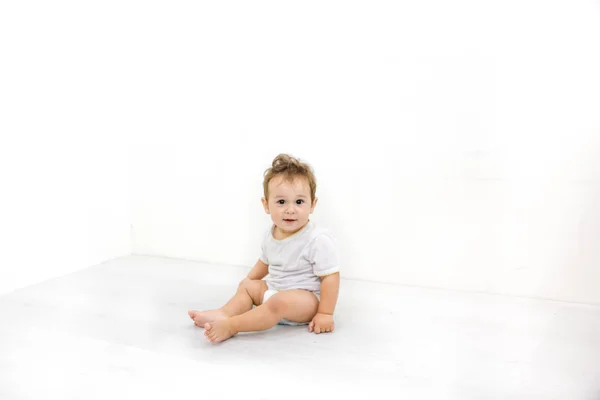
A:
323, 321
259, 271
330, 286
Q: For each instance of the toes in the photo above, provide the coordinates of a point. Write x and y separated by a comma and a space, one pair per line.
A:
209, 333
192, 314
207, 326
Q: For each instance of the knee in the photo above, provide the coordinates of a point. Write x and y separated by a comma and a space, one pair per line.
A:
253, 288
277, 304
245, 284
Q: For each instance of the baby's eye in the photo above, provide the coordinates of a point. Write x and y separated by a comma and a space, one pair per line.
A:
280, 201
299, 201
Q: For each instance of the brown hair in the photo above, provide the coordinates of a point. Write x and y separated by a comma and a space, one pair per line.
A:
290, 168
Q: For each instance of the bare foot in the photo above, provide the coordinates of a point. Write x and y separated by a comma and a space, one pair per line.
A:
202, 317
218, 331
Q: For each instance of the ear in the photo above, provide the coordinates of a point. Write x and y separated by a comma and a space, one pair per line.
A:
265, 205
313, 205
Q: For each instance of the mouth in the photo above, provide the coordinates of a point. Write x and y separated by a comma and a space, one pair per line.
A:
289, 220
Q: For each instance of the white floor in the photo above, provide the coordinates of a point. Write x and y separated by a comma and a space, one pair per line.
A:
120, 330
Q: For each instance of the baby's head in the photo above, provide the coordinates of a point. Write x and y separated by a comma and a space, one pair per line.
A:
290, 187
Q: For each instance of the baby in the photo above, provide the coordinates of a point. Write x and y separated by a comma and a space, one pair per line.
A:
298, 259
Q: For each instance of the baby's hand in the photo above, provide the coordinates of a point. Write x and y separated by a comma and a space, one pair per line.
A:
321, 323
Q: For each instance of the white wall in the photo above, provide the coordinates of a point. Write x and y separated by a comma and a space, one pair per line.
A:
63, 166
455, 143
63, 208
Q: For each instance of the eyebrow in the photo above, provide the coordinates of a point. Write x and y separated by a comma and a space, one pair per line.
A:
299, 196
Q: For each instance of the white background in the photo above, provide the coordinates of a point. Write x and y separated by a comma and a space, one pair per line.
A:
455, 144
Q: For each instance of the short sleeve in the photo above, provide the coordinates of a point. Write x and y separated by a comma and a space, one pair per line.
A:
323, 255
263, 250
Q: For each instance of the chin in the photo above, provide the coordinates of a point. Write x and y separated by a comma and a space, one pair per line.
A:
292, 227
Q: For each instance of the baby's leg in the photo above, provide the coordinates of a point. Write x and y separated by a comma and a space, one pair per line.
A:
294, 305
250, 292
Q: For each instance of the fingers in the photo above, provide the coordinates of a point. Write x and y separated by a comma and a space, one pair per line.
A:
319, 329
316, 328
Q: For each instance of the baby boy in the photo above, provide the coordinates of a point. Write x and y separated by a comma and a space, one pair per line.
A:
299, 263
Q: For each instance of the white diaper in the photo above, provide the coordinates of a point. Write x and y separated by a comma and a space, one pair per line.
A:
270, 292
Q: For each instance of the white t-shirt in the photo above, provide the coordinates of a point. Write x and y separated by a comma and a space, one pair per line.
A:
298, 261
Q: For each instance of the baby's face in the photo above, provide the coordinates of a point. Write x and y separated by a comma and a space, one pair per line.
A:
289, 203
